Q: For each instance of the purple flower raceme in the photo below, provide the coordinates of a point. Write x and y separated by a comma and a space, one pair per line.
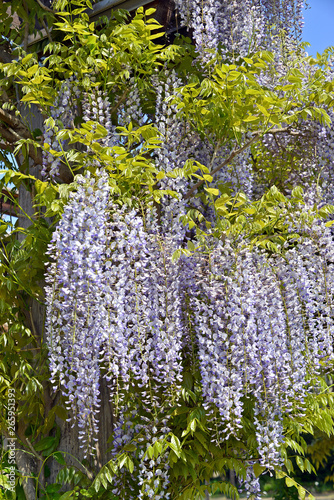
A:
144, 316
251, 484
76, 313
260, 335
96, 108
243, 27
63, 114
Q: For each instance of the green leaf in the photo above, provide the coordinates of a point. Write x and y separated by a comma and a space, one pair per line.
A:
45, 443
297, 192
193, 425
59, 458
130, 447
258, 469
176, 255
202, 439
130, 465
263, 110
27, 58
300, 463
250, 118
302, 493
208, 177
290, 482
161, 175
175, 445
60, 412
123, 460
188, 380
212, 191
150, 11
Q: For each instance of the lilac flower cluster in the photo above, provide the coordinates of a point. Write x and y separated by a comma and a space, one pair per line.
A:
150, 478
173, 153
153, 475
240, 27
96, 107
75, 326
144, 280
251, 484
63, 114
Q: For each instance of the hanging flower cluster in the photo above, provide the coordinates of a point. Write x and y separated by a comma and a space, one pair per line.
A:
262, 335
63, 114
75, 298
241, 26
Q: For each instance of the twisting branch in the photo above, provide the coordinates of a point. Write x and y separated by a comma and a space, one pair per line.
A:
45, 26
120, 101
17, 131
12, 137
6, 146
282, 130
7, 135
234, 153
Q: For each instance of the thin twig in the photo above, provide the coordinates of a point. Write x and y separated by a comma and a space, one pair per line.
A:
236, 152
34, 452
226, 162
45, 26
33, 324
26, 29
122, 99
11, 120
44, 7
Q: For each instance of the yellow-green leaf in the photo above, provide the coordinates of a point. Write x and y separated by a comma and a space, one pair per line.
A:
213, 191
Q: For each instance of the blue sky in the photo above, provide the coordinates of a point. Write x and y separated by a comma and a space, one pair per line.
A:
319, 25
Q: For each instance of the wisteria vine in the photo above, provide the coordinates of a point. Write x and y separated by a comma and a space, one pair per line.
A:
253, 326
